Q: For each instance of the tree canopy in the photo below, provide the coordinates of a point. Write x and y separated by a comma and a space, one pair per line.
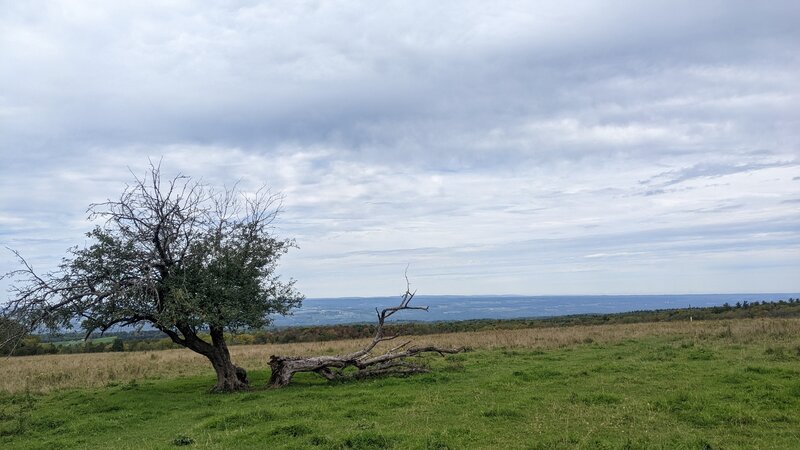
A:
175, 254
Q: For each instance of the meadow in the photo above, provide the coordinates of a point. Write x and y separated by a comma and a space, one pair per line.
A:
699, 384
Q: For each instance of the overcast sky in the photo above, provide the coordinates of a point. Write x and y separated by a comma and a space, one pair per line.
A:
495, 147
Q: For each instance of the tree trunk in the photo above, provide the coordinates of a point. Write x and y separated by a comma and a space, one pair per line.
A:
284, 368
281, 374
365, 363
230, 377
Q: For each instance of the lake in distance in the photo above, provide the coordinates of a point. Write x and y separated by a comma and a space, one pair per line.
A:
330, 311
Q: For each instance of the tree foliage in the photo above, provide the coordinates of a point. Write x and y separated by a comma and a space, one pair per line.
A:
175, 254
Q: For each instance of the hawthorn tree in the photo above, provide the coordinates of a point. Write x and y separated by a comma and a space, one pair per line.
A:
189, 260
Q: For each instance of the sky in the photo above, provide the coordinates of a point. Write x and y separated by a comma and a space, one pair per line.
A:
503, 147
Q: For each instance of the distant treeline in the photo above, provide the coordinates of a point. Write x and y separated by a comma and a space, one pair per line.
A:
155, 340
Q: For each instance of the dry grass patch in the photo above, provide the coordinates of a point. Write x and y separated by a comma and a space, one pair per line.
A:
53, 372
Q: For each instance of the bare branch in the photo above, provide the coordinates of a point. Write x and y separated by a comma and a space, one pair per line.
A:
172, 252
389, 362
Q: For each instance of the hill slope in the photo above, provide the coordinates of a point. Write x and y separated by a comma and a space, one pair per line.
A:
700, 385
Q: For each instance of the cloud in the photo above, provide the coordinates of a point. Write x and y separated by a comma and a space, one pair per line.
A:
709, 171
488, 145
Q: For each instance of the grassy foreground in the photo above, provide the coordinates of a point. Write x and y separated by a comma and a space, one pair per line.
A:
700, 385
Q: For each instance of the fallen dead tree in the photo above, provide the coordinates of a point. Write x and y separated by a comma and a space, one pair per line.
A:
366, 362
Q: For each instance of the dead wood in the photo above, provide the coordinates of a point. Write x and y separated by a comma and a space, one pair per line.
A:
366, 362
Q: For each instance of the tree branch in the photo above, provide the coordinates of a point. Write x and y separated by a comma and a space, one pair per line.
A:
390, 362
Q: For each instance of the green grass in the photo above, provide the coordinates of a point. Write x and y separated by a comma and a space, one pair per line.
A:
664, 392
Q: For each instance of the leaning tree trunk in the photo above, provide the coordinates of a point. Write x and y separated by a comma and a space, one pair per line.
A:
230, 377
364, 361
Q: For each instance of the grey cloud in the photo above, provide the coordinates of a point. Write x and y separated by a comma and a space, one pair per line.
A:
716, 208
441, 132
709, 170
425, 93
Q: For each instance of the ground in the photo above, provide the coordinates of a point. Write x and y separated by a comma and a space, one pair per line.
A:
703, 385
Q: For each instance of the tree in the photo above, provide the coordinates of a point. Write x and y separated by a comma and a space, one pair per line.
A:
11, 335
366, 363
117, 345
175, 254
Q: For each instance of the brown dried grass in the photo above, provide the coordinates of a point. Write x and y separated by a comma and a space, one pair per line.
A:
54, 372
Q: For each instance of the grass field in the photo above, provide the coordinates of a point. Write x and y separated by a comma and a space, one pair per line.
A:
102, 340
679, 385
